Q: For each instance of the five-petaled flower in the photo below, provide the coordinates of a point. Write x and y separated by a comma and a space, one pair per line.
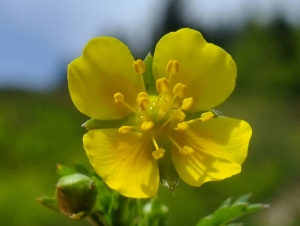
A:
171, 128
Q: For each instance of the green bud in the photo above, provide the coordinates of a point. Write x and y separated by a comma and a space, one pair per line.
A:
76, 195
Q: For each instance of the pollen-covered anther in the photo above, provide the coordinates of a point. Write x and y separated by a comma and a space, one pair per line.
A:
159, 153
144, 103
187, 104
162, 85
178, 116
186, 150
147, 125
179, 90
182, 126
172, 67
139, 67
206, 116
124, 129
119, 98
142, 95
183, 150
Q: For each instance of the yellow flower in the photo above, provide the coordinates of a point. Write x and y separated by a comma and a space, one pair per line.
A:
163, 129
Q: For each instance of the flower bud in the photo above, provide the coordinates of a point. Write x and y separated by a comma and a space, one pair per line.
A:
76, 195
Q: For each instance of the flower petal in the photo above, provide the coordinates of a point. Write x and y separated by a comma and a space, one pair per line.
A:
207, 70
124, 161
105, 68
220, 147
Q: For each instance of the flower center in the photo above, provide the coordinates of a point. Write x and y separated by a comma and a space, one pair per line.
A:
156, 115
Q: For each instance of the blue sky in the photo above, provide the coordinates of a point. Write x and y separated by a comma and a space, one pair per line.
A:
38, 38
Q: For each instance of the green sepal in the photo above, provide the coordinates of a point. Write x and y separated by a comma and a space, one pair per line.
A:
64, 171
228, 212
92, 123
49, 202
149, 80
80, 168
167, 172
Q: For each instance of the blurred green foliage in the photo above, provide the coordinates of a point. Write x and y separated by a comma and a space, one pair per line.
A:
37, 131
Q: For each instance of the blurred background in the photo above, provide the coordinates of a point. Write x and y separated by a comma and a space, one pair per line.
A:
40, 127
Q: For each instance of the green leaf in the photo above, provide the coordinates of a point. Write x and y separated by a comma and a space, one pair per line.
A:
109, 124
228, 212
154, 213
64, 171
167, 172
50, 202
149, 80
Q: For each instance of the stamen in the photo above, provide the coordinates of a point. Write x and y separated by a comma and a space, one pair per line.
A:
187, 103
172, 68
119, 99
206, 116
139, 67
147, 125
141, 95
165, 123
186, 150
162, 85
144, 103
159, 152
179, 90
125, 129
183, 150
178, 116
183, 126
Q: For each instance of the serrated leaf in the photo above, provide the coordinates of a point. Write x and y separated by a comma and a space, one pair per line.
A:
149, 80
228, 212
92, 123
64, 171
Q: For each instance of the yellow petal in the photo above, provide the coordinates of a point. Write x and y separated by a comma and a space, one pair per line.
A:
220, 147
124, 161
207, 70
105, 68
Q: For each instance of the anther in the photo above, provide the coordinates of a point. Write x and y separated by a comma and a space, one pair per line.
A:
178, 116
159, 153
119, 97
183, 150
172, 67
187, 103
147, 125
139, 67
144, 103
124, 129
162, 85
186, 150
206, 116
183, 126
179, 90
142, 95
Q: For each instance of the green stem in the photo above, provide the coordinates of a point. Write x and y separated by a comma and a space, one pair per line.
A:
95, 219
